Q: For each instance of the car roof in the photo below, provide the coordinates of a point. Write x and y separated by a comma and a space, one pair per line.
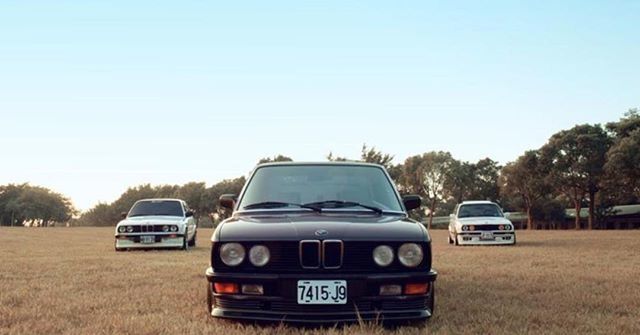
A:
341, 163
478, 202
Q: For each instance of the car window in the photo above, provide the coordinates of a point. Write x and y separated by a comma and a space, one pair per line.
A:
479, 210
301, 184
157, 207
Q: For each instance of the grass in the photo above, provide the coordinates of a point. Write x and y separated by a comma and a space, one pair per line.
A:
69, 280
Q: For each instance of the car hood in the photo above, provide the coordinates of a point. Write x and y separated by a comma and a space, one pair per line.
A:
320, 226
484, 220
149, 220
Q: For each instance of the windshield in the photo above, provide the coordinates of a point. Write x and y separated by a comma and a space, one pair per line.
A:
325, 184
479, 210
157, 207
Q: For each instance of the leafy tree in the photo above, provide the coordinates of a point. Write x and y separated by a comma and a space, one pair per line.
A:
577, 157
525, 180
426, 175
278, 158
33, 205
623, 159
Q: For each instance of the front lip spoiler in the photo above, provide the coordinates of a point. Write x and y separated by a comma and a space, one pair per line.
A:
326, 318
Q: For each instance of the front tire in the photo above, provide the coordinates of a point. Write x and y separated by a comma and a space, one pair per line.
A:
185, 243
455, 239
432, 299
192, 242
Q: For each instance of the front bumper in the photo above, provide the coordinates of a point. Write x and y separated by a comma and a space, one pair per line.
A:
475, 238
363, 301
133, 241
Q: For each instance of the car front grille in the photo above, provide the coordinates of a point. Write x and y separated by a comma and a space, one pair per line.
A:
148, 229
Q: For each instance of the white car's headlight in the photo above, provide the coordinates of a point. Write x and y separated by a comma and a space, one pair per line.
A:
165, 229
121, 229
174, 228
129, 229
259, 255
232, 254
410, 255
383, 255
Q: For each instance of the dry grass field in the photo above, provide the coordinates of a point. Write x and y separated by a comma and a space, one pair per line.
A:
70, 281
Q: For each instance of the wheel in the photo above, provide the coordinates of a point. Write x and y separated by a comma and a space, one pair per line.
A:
449, 237
115, 243
455, 239
185, 242
192, 242
209, 298
514, 239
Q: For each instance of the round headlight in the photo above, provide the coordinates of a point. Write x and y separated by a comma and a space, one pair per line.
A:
129, 229
472, 227
507, 227
410, 255
174, 228
121, 229
259, 255
383, 255
232, 254
165, 229
465, 227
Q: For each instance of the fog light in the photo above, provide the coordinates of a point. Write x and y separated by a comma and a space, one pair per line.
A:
252, 289
226, 288
415, 289
390, 290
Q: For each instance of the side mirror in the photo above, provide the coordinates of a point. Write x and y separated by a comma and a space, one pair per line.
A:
507, 215
123, 215
188, 214
228, 201
411, 202
452, 215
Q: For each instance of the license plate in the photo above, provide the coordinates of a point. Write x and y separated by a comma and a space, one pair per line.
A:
487, 236
147, 239
322, 292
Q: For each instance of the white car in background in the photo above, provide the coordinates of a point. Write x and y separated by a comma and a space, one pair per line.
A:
480, 223
157, 223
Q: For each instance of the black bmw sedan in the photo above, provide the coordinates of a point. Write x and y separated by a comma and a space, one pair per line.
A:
320, 243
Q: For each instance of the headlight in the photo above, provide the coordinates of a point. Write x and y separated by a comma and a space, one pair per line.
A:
259, 255
465, 227
383, 255
174, 228
410, 255
165, 229
129, 229
472, 227
232, 254
121, 229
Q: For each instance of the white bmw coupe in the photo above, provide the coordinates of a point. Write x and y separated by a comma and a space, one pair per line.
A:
156, 223
480, 223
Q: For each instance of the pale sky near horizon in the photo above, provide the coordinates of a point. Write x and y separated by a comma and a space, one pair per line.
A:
98, 96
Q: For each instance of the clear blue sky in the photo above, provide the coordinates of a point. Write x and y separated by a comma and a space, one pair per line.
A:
96, 96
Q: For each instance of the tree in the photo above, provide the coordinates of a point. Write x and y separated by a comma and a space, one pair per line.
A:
33, 205
525, 180
278, 158
426, 175
623, 159
577, 157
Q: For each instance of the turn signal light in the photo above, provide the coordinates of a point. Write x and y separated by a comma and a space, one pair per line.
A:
252, 289
226, 288
415, 289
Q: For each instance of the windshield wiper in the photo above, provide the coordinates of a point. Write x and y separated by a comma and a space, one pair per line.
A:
278, 204
341, 204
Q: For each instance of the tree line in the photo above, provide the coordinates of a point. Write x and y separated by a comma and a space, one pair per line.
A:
588, 166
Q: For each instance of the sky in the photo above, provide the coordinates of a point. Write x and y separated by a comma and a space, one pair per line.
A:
98, 96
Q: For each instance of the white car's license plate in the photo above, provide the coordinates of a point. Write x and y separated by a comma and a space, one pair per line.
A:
147, 239
322, 292
487, 235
